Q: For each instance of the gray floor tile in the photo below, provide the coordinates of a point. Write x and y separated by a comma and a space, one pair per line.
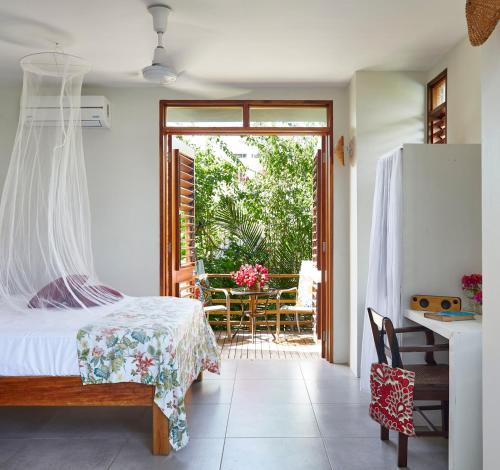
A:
429, 444
274, 420
274, 454
433, 415
427, 453
345, 421
361, 453
272, 369
228, 371
338, 390
207, 421
24, 421
322, 370
8, 447
427, 461
97, 422
65, 454
199, 454
254, 391
210, 392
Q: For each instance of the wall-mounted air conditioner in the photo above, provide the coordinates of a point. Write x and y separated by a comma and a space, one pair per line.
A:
46, 111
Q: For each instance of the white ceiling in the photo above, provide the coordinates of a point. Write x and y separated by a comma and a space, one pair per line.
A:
240, 43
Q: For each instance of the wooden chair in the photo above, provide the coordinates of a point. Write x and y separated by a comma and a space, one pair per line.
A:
431, 379
303, 304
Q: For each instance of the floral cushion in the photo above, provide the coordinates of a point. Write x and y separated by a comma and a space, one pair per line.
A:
202, 291
72, 292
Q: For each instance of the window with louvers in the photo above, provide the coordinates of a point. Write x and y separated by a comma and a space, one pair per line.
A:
437, 109
185, 170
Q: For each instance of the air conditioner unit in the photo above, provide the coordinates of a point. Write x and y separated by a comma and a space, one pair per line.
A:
46, 111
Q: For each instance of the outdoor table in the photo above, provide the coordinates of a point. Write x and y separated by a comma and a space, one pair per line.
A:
253, 312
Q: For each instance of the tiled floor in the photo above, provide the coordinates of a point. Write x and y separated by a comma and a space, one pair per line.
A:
258, 415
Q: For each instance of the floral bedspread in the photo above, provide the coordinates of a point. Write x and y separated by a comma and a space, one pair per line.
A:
160, 341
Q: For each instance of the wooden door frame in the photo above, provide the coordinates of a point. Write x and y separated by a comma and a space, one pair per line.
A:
325, 133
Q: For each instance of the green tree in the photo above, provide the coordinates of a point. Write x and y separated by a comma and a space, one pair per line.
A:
284, 198
265, 218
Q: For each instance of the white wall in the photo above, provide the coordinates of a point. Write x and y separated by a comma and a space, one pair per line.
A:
9, 115
442, 218
341, 234
353, 231
464, 92
389, 111
490, 73
123, 176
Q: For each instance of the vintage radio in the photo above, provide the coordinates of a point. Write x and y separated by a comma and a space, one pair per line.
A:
435, 303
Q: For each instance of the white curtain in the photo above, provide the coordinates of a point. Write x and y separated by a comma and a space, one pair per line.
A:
383, 291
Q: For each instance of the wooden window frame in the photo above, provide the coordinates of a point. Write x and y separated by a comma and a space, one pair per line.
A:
327, 143
443, 107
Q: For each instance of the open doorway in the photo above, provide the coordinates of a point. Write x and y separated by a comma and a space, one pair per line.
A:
247, 144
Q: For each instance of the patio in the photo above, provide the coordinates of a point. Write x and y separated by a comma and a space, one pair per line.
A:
291, 346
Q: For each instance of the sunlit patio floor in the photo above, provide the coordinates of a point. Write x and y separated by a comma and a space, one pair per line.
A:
290, 345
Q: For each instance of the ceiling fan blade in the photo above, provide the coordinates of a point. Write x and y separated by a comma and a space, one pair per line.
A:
167, 60
207, 89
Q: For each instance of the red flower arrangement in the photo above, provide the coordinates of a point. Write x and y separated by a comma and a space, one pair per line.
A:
251, 275
472, 285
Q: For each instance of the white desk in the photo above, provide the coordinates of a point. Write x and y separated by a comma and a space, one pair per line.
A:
465, 436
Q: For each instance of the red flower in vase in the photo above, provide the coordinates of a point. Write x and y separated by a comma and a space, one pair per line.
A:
472, 286
249, 275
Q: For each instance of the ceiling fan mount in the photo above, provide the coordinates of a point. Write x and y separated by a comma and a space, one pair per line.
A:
160, 71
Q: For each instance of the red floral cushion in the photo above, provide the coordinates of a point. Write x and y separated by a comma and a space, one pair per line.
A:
392, 398
57, 294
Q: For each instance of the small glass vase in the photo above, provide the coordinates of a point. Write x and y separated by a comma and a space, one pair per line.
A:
475, 307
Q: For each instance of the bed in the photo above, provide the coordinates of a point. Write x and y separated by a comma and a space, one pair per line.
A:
43, 364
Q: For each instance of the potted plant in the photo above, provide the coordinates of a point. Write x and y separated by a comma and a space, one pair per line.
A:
472, 286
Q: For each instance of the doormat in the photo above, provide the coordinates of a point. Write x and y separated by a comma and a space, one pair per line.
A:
295, 339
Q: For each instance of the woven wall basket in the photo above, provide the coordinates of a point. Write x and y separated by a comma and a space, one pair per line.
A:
482, 17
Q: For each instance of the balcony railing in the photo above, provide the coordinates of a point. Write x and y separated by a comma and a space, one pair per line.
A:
272, 310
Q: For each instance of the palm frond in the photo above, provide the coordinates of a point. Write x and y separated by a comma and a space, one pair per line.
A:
249, 232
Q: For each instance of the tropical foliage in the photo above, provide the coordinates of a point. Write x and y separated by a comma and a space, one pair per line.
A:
255, 217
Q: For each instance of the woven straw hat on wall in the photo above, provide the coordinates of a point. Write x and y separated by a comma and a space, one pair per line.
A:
482, 17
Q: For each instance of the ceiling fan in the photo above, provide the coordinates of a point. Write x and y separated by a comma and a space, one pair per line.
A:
163, 72
160, 71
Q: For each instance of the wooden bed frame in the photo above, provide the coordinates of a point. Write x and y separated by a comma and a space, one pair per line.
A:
69, 391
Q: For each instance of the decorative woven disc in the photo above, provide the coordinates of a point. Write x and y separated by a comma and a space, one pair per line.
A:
482, 17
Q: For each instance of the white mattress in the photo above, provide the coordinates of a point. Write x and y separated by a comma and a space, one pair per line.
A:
43, 342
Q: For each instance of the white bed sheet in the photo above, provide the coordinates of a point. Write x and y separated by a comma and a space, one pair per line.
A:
43, 342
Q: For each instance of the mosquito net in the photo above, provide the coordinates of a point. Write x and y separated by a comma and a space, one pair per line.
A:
45, 244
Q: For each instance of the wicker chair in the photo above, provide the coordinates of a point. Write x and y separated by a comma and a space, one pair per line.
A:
209, 307
205, 296
431, 379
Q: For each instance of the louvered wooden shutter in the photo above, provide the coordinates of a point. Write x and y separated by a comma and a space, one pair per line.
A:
316, 233
184, 255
